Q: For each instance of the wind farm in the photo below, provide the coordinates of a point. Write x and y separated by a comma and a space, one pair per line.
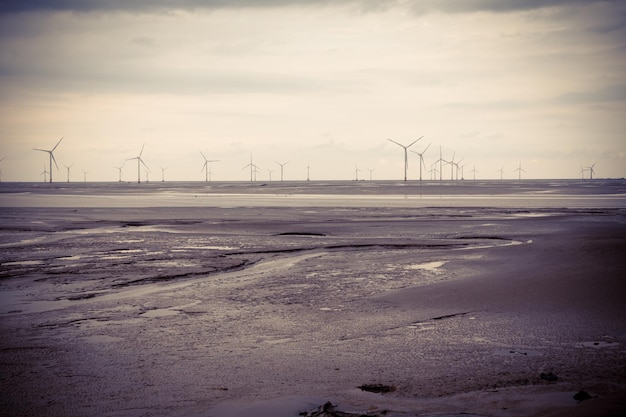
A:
429, 168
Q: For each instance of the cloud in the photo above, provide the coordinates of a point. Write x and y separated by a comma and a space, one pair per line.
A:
448, 6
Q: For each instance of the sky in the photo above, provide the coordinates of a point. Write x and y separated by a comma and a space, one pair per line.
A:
319, 85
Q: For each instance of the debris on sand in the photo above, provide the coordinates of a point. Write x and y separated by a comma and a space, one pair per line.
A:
329, 410
377, 388
549, 376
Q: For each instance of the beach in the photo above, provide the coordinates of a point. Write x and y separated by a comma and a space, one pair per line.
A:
272, 299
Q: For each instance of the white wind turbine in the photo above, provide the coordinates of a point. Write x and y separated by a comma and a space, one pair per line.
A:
371, 171
68, 171
406, 157
85, 175
206, 168
44, 173
270, 172
474, 172
139, 162
281, 168
163, 174
1, 170
452, 164
50, 152
519, 171
591, 170
120, 172
501, 171
421, 155
253, 169
147, 175
440, 161
459, 167
356, 172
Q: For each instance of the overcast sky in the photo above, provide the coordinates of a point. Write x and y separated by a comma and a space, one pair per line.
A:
316, 83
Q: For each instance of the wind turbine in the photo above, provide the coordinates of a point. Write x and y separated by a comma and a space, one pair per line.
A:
147, 175
356, 172
85, 175
120, 171
474, 171
50, 152
139, 162
270, 172
68, 171
421, 155
458, 168
1, 170
163, 174
371, 170
451, 163
44, 173
281, 168
519, 170
406, 157
591, 170
501, 171
253, 168
206, 167
441, 161
308, 172
582, 173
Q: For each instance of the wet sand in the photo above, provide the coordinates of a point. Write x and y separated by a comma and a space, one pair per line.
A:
273, 306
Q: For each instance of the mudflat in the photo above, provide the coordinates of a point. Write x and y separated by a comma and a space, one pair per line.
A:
202, 302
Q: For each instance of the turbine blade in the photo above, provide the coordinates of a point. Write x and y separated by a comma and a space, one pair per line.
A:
399, 144
42, 150
142, 146
55, 146
203, 155
144, 164
412, 143
53, 160
424, 151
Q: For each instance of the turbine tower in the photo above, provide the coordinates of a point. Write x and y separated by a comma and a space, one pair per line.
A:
1, 170
139, 162
406, 157
356, 172
421, 155
51, 153
206, 167
163, 174
85, 175
281, 168
372, 170
519, 171
68, 171
501, 171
